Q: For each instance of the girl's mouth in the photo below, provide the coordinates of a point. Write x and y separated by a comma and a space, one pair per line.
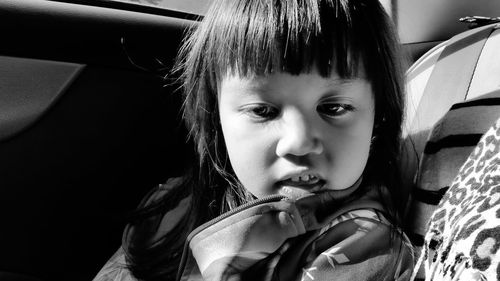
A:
304, 180
303, 183
299, 186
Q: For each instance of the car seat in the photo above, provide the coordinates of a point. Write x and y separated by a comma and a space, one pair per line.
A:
453, 99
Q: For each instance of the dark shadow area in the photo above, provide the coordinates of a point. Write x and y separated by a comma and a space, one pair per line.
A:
69, 181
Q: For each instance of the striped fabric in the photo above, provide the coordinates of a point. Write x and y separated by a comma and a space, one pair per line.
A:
464, 68
462, 242
451, 141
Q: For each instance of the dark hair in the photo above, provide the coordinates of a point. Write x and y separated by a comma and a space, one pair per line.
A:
258, 37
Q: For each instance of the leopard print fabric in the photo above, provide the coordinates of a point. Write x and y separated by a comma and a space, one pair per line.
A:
463, 237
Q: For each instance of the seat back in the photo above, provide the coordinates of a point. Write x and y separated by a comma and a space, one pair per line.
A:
454, 98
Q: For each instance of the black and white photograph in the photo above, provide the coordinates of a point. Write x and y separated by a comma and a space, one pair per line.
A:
249, 140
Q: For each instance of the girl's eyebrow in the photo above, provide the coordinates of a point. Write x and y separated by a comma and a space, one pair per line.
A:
335, 84
252, 89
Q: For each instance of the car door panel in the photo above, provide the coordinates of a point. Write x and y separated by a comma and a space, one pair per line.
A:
89, 124
28, 88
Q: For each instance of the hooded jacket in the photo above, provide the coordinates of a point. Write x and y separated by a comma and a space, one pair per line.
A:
277, 238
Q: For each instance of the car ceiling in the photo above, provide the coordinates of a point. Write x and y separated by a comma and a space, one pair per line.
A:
418, 21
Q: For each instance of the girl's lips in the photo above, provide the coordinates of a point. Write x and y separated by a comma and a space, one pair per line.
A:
309, 184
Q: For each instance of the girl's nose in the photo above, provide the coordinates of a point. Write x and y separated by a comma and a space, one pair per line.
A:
299, 137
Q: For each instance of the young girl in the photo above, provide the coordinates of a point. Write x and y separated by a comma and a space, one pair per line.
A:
296, 107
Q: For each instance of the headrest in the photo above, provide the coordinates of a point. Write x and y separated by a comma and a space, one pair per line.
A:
465, 67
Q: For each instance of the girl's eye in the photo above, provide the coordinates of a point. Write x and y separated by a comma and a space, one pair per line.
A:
262, 112
334, 109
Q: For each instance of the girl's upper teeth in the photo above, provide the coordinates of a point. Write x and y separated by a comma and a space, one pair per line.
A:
303, 178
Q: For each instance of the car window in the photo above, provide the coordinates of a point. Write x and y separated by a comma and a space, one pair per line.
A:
189, 6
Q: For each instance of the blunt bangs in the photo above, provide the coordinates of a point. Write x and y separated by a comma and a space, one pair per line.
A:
265, 36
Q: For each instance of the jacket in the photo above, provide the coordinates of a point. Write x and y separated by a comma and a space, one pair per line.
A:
276, 238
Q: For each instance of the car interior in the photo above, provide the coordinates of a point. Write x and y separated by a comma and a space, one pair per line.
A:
90, 120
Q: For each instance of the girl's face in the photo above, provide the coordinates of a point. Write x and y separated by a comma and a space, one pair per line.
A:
296, 134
